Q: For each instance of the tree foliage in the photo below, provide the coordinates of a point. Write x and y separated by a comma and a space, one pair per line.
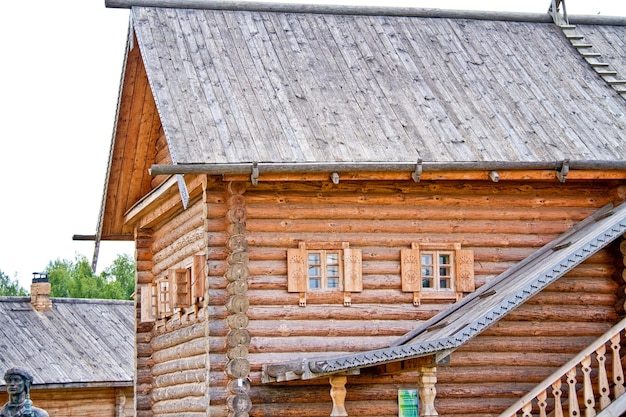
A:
76, 279
9, 287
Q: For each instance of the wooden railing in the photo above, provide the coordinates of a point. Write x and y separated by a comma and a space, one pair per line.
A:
559, 395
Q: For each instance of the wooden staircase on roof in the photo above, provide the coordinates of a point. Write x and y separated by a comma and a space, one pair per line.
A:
593, 58
560, 395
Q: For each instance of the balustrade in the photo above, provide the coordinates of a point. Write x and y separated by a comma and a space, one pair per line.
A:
577, 384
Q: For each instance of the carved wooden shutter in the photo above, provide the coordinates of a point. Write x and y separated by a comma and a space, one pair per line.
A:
465, 271
198, 279
352, 273
148, 302
352, 270
180, 287
411, 272
296, 269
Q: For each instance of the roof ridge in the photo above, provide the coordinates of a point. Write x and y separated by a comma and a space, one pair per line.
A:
362, 10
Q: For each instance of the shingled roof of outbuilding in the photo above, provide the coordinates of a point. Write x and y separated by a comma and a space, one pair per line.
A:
83, 343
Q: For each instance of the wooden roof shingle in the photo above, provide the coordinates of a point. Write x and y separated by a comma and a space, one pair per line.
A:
249, 86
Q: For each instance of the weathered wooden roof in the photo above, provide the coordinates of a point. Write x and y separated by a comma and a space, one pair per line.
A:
78, 343
312, 88
248, 86
467, 318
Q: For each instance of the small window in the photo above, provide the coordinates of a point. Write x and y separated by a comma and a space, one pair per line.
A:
331, 267
324, 270
163, 298
437, 270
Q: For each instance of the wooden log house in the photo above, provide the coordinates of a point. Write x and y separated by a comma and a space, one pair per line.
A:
80, 352
334, 208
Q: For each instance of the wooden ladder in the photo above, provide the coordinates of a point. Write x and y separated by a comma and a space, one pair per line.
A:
593, 58
548, 398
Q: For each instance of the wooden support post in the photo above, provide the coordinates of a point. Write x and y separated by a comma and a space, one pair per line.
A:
338, 394
427, 391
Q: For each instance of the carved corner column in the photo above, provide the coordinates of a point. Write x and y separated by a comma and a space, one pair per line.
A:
427, 391
237, 272
338, 395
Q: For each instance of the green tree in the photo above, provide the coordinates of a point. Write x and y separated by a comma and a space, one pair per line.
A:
120, 278
10, 287
76, 279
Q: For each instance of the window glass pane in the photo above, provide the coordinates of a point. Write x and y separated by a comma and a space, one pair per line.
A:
315, 283
427, 259
315, 271
332, 271
332, 258
427, 272
444, 271
314, 259
427, 283
444, 283
444, 259
333, 282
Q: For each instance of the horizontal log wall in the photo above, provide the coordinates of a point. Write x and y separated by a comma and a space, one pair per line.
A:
503, 223
175, 354
82, 402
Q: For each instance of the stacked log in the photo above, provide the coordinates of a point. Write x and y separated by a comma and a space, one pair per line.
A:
237, 273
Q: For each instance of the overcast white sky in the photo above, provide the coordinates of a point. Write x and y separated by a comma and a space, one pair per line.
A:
60, 73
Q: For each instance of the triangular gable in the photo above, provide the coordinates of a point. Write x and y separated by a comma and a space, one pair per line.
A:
466, 319
133, 149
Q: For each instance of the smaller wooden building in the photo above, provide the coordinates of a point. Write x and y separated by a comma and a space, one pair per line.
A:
79, 351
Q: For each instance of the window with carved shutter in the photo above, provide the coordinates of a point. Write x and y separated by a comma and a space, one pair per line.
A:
324, 267
437, 271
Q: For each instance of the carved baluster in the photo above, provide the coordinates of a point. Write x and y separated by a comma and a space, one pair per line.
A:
542, 403
338, 395
427, 391
603, 380
618, 372
572, 399
527, 410
590, 402
556, 392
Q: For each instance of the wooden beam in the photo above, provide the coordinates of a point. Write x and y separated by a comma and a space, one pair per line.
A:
361, 10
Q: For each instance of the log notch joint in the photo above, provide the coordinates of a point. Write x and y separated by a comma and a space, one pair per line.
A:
237, 272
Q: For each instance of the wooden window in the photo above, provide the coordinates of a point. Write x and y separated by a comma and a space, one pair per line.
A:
324, 270
437, 271
164, 307
324, 267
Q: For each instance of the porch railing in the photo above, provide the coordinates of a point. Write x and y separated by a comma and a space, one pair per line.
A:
559, 394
